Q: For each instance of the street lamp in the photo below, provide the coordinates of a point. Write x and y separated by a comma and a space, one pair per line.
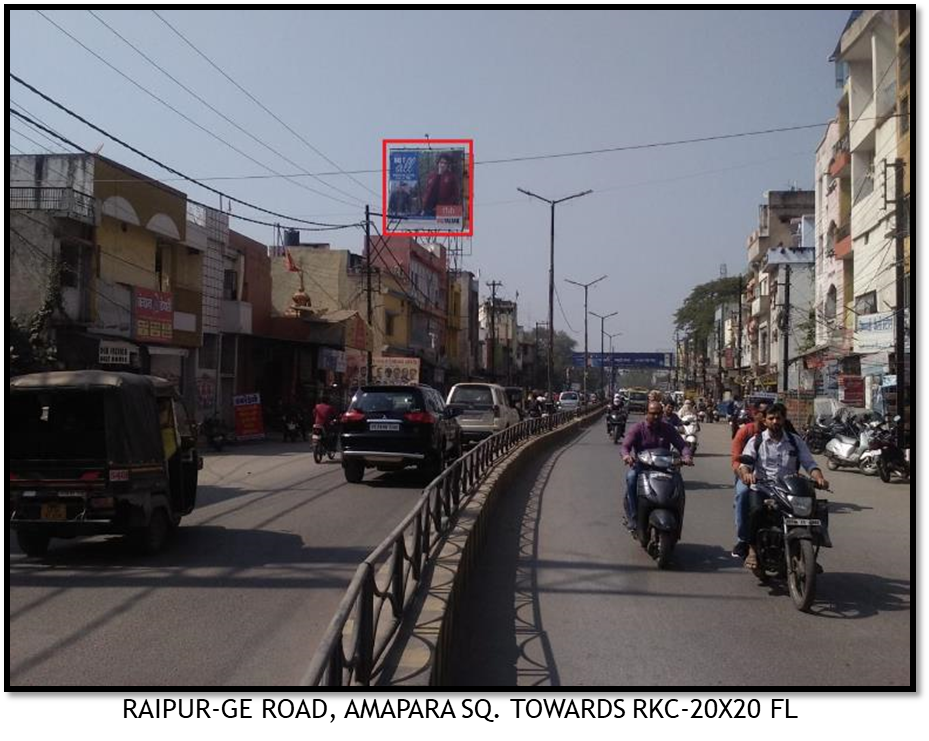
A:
551, 280
603, 318
612, 364
585, 286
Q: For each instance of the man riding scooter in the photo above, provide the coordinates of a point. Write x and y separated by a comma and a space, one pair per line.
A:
648, 435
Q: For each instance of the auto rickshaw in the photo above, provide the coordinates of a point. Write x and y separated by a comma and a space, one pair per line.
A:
96, 452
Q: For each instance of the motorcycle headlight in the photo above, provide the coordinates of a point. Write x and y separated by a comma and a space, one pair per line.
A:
802, 506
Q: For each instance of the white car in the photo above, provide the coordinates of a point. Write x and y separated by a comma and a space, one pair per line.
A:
568, 401
482, 409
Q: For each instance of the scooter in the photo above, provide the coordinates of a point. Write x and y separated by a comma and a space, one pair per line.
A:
660, 503
691, 428
845, 451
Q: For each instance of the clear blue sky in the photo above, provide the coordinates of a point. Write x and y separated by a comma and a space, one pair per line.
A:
518, 83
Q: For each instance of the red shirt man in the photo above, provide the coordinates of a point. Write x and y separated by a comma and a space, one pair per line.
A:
323, 414
747, 432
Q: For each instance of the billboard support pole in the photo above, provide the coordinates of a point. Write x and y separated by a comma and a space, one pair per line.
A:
368, 285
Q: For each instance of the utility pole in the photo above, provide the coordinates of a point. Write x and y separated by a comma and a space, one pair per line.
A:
738, 362
899, 313
612, 365
585, 286
603, 318
785, 327
538, 355
370, 327
551, 281
493, 328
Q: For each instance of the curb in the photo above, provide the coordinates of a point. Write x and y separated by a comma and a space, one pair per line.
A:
421, 654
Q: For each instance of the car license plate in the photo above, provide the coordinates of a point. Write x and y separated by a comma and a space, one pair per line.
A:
384, 426
54, 511
796, 521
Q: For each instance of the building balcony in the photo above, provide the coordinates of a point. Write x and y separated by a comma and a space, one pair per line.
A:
843, 243
64, 202
841, 161
236, 317
761, 305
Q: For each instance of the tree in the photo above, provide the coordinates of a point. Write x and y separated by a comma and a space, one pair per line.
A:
696, 316
564, 346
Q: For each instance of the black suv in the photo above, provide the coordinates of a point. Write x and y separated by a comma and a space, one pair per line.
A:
391, 427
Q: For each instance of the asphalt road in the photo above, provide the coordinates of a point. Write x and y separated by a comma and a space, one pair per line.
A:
564, 597
241, 597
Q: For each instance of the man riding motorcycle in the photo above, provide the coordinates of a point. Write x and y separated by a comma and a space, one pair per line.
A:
325, 416
777, 453
670, 416
745, 433
650, 434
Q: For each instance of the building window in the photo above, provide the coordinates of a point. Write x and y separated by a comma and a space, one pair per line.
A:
70, 265
231, 285
866, 303
904, 114
389, 328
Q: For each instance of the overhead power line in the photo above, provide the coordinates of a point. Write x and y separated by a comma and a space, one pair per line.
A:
263, 106
183, 115
222, 115
142, 154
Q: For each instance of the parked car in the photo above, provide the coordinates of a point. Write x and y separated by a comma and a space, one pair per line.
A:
568, 401
392, 427
482, 409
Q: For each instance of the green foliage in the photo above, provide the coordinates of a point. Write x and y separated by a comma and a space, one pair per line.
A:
564, 346
807, 332
696, 315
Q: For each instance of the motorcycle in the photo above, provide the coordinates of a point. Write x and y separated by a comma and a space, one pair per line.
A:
845, 450
616, 424
741, 417
817, 434
324, 443
660, 503
690, 429
887, 455
294, 426
790, 527
215, 432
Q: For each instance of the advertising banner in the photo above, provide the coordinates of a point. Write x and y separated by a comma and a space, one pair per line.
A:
624, 360
249, 424
152, 315
851, 390
425, 187
403, 371
332, 360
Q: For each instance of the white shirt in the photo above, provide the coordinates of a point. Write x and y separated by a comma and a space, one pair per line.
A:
776, 458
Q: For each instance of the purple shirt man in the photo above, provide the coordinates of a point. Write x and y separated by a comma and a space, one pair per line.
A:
658, 434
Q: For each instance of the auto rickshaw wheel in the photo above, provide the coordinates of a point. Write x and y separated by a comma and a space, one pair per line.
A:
32, 543
151, 538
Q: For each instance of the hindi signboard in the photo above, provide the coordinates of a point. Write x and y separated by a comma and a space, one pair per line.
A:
624, 360
249, 424
152, 315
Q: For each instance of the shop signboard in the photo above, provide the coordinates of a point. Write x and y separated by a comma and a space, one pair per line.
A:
152, 315
331, 360
624, 360
249, 424
851, 390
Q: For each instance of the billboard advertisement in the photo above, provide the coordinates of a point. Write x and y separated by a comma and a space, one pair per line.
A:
401, 371
428, 187
624, 360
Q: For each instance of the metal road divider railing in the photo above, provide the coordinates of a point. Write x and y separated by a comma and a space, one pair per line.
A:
361, 632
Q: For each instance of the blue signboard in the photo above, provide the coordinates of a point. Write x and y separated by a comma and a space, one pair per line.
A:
624, 360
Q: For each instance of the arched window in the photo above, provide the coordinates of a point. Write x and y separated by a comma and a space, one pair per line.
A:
830, 306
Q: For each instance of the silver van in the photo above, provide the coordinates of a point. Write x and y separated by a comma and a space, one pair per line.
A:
482, 409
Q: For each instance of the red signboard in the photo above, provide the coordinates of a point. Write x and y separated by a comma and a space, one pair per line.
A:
249, 424
852, 388
152, 315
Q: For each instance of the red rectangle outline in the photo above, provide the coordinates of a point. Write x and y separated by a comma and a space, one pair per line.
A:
384, 230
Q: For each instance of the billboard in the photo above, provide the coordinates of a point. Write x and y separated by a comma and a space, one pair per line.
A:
624, 360
394, 371
249, 422
428, 187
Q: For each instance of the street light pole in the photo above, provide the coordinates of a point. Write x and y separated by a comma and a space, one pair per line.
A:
603, 318
551, 280
612, 364
585, 286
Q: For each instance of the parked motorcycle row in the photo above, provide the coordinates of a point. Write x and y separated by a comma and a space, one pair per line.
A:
850, 441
